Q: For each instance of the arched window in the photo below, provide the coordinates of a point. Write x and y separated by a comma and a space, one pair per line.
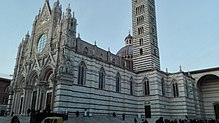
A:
187, 88
146, 88
118, 82
82, 73
131, 86
163, 87
141, 51
101, 78
113, 61
175, 89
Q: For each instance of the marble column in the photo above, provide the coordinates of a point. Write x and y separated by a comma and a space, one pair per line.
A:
53, 94
26, 100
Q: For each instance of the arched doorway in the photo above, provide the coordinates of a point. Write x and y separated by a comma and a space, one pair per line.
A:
209, 93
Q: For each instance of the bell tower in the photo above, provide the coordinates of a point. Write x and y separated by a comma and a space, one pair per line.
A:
145, 44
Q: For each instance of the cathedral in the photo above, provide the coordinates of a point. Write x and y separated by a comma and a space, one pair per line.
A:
56, 68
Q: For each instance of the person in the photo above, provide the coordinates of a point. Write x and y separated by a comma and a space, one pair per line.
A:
123, 116
114, 114
12, 114
28, 112
15, 119
145, 121
160, 120
135, 120
77, 113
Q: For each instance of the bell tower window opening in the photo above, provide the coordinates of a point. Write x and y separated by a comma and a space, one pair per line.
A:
140, 30
141, 51
141, 41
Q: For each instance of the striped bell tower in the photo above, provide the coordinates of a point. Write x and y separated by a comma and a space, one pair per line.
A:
145, 44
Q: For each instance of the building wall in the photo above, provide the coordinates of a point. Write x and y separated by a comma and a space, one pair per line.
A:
4, 84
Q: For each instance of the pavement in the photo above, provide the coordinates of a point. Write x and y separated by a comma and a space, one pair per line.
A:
80, 119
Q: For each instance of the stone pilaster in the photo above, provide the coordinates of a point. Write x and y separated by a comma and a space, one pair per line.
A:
41, 89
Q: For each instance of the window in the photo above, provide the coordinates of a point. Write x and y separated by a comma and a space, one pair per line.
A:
193, 88
140, 30
101, 56
113, 61
140, 9
155, 52
118, 82
163, 87
175, 89
146, 88
187, 88
153, 41
101, 78
85, 51
131, 86
153, 30
141, 41
141, 51
82, 74
41, 43
140, 20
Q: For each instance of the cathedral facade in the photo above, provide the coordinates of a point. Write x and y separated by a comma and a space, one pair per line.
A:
56, 68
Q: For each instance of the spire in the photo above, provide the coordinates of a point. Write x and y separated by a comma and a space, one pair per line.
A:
180, 68
27, 36
56, 4
73, 14
39, 11
68, 10
129, 31
79, 37
166, 70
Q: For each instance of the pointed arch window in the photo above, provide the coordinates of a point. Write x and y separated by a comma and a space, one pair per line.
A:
187, 88
146, 86
118, 82
82, 74
131, 86
101, 78
175, 89
163, 87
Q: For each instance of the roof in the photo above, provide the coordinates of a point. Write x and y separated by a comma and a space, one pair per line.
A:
127, 50
205, 70
5, 77
129, 37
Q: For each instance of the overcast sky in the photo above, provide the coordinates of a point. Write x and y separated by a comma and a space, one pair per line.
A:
188, 30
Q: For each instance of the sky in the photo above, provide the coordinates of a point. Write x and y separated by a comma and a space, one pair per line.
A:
188, 30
